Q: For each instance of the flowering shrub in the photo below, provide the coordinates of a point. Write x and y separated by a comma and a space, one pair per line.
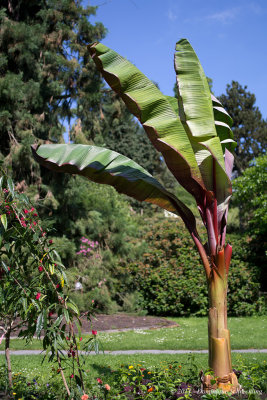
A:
33, 293
93, 277
88, 247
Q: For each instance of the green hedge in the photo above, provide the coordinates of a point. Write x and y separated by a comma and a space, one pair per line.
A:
171, 279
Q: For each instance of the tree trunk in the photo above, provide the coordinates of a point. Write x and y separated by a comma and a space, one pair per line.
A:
7, 355
219, 336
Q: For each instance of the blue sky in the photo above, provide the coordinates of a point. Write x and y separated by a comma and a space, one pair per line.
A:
229, 37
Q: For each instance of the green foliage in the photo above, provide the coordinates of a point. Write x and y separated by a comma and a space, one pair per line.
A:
250, 196
33, 293
249, 128
27, 259
44, 69
171, 278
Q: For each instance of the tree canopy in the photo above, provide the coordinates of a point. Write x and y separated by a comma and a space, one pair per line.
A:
46, 75
249, 128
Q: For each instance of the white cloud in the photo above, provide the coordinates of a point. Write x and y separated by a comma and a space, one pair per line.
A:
171, 15
225, 16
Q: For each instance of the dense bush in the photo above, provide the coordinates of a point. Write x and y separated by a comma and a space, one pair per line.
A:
171, 279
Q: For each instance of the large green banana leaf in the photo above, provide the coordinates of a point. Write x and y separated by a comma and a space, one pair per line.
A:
198, 114
156, 113
109, 167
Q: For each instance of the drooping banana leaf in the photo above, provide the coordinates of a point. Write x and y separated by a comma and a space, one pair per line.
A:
155, 112
197, 113
109, 167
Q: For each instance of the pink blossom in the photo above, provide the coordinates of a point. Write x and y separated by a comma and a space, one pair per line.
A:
40, 268
26, 211
107, 387
99, 380
84, 397
38, 296
94, 332
72, 376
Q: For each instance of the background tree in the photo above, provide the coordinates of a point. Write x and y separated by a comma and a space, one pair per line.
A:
44, 67
250, 129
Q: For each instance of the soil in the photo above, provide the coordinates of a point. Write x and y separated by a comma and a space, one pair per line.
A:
114, 322
122, 322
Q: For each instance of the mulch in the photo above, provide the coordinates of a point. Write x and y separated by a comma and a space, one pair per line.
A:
115, 322
121, 322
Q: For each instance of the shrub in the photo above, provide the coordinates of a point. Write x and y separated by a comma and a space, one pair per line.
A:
172, 281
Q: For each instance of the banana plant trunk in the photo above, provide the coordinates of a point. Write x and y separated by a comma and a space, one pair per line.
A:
220, 364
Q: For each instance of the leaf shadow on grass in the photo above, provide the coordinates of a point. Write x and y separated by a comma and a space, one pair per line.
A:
101, 369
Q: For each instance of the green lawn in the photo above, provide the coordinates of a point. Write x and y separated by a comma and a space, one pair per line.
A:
98, 365
247, 332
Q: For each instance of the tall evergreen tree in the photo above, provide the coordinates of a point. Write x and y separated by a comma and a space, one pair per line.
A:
44, 68
122, 133
249, 128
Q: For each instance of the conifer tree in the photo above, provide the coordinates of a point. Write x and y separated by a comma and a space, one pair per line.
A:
43, 69
249, 128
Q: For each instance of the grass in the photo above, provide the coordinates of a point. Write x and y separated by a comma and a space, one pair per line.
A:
246, 332
100, 365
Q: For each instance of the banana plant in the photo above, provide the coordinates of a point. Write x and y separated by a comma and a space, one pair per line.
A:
194, 136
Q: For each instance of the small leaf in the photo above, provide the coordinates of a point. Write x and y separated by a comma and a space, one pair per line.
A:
5, 267
58, 321
4, 221
11, 187
24, 304
67, 316
39, 325
1, 182
73, 307
52, 269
